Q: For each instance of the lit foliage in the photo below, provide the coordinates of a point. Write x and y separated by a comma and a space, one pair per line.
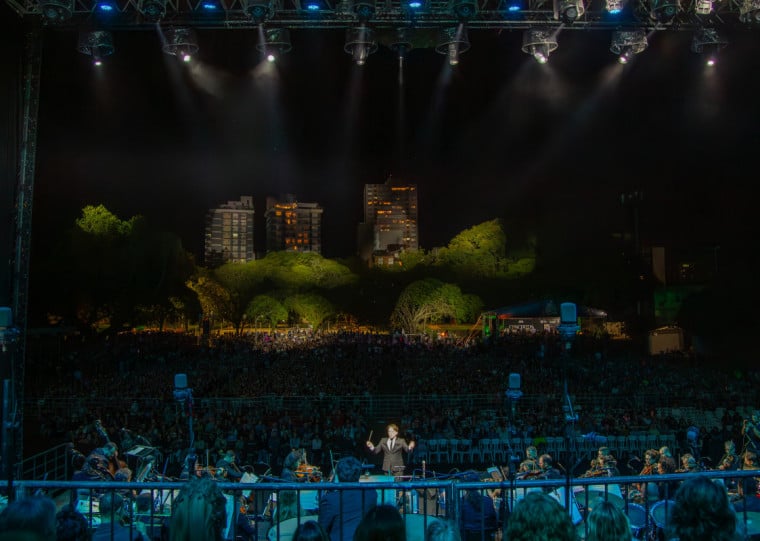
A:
265, 310
431, 301
301, 271
309, 308
478, 251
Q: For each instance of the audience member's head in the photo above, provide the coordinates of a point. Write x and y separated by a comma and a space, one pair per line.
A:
198, 512
607, 522
287, 505
71, 525
702, 512
539, 517
442, 530
310, 531
28, 518
111, 507
381, 523
292, 461
348, 469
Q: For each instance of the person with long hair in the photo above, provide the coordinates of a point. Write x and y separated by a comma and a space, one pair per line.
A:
607, 522
539, 517
310, 531
198, 512
381, 523
702, 512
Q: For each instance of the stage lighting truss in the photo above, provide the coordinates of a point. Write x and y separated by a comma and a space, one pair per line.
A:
452, 42
626, 43
56, 11
313, 7
276, 43
664, 11
568, 11
98, 44
259, 10
539, 43
363, 10
360, 43
181, 42
464, 10
749, 11
708, 42
153, 10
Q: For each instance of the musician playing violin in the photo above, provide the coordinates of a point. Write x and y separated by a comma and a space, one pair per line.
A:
529, 466
648, 491
226, 467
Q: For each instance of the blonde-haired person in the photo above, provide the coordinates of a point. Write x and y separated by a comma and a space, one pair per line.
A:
607, 522
539, 517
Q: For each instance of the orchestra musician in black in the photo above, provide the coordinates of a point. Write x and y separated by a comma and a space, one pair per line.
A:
751, 432
392, 448
529, 467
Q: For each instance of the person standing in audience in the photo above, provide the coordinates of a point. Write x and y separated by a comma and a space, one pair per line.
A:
341, 511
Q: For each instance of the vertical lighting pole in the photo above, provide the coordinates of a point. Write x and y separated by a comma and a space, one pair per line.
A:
568, 328
8, 340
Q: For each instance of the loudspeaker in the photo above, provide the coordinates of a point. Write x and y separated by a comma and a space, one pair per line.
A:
180, 381
568, 313
514, 381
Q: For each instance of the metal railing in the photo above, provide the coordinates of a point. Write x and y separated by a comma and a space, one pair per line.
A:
419, 501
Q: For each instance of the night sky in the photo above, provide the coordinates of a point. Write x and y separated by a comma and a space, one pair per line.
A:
499, 136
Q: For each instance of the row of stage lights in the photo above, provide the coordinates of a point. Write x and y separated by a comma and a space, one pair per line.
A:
182, 43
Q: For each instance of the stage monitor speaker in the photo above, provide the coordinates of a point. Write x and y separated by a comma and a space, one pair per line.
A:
568, 313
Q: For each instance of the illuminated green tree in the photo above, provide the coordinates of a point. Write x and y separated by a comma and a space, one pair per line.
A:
265, 309
310, 308
431, 301
476, 252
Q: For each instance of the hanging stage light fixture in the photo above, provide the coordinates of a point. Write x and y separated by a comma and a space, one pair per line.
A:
664, 11
360, 43
568, 11
708, 42
539, 43
56, 11
749, 11
181, 42
363, 9
452, 42
276, 43
464, 10
153, 10
98, 44
402, 42
626, 43
258, 10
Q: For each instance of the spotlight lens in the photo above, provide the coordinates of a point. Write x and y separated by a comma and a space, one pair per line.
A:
98, 62
623, 59
312, 7
271, 58
105, 7
513, 8
540, 58
186, 58
615, 11
710, 62
209, 6
415, 5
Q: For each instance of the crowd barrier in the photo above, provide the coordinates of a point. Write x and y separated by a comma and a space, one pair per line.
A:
420, 501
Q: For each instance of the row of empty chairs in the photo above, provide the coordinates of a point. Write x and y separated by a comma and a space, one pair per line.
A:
494, 450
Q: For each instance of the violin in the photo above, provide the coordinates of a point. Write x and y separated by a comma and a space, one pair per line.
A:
308, 472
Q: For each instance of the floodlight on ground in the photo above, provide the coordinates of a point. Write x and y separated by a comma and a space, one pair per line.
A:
708, 42
276, 43
464, 10
181, 42
539, 43
56, 11
452, 42
568, 11
153, 10
258, 10
98, 44
626, 43
360, 43
664, 11
749, 11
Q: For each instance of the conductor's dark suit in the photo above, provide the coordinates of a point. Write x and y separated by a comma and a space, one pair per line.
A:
392, 456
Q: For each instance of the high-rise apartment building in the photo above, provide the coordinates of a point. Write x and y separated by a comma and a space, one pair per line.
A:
293, 225
390, 219
229, 233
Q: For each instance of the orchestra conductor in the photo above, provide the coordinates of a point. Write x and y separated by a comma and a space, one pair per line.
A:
392, 447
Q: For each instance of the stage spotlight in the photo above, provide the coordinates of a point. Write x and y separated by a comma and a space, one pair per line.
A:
56, 11
360, 43
414, 7
363, 9
464, 10
664, 11
708, 42
613, 7
153, 10
106, 7
402, 42
181, 42
97, 44
749, 11
313, 6
258, 10
276, 43
210, 6
626, 43
539, 44
453, 42
568, 10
